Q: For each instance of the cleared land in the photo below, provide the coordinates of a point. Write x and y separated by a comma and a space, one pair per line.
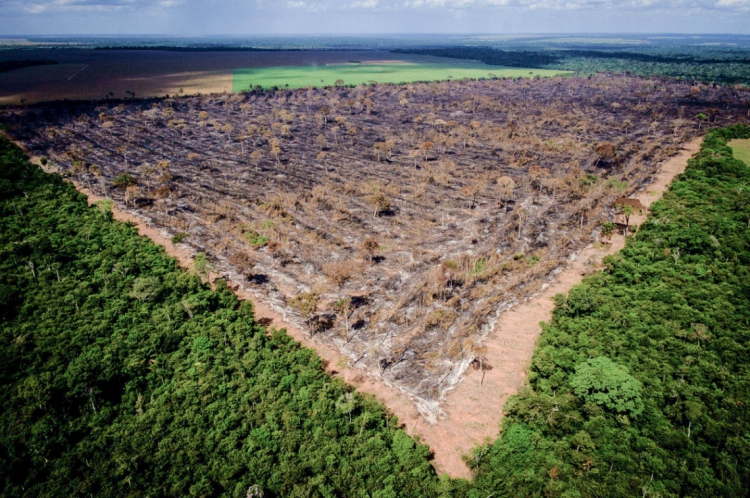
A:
85, 74
376, 71
741, 149
395, 223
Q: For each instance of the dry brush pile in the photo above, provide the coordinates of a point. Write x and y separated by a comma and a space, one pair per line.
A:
395, 222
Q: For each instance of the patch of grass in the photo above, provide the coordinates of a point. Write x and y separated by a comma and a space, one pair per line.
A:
534, 260
617, 185
256, 239
741, 150
479, 267
354, 74
342, 363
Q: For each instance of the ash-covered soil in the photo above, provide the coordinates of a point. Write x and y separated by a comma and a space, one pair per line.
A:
395, 222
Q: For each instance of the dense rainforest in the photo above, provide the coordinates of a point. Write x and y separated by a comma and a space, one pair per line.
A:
123, 375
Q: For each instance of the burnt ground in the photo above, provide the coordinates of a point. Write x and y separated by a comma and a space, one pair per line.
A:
395, 222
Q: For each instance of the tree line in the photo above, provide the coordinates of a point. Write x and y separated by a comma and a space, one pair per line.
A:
687, 62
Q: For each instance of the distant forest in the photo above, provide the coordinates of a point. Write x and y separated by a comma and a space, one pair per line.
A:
708, 66
206, 48
526, 58
121, 374
514, 58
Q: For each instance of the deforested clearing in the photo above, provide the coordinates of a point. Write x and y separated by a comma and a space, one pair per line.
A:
395, 222
741, 149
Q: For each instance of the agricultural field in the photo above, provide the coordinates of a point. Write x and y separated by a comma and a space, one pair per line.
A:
395, 223
355, 73
741, 149
86, 73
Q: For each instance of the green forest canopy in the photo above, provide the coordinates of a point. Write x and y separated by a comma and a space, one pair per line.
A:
122, 375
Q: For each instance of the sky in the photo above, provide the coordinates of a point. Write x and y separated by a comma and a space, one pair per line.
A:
255, 17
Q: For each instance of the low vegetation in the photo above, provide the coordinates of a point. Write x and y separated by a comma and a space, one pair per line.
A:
356, 73
741, 149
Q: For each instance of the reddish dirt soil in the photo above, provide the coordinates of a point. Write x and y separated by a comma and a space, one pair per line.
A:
473, 410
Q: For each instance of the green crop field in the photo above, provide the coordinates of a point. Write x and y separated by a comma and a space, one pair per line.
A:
356, 73
741, 149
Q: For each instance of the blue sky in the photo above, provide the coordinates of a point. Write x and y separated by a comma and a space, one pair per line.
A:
247, 17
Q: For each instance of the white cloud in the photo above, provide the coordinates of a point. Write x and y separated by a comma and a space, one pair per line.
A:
83, 5
353, 16
742, 4
580, 4
438, 3
309, 6
37, 9
452, 6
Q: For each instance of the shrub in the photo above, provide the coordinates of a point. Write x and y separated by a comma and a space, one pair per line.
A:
479, 267
256, 239
202, 265
341, 272
179, 237
124, 180
306, 303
